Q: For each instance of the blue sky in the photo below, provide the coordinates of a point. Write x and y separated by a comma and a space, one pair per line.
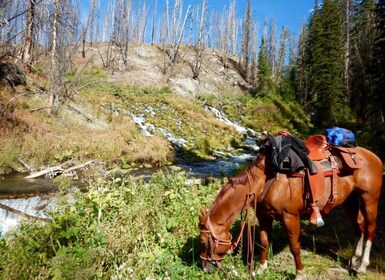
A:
289, 13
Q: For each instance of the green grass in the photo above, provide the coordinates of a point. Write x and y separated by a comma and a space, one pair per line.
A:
125, 228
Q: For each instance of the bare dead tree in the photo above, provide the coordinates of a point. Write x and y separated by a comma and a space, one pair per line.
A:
154, 18
140, 23
107, 57
232, 28
253, 53
64, 42
199, 46
347, 41
246, 39
28, 44
301, 57
54, 77
91, 21
271, 44
178, 28
281, 55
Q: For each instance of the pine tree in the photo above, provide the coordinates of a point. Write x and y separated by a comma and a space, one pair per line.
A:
325, 66
378, 62
362, 98
289, 85
264, 69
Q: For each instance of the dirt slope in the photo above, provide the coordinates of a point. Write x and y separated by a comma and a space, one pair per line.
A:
149, 65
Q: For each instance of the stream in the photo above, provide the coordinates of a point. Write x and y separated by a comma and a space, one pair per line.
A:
21, 197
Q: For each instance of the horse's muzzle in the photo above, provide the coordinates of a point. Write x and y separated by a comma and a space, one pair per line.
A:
208, 267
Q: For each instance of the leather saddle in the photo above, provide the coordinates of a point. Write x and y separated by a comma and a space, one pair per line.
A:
330, 162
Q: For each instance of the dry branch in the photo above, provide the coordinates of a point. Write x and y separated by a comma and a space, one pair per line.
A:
58, 170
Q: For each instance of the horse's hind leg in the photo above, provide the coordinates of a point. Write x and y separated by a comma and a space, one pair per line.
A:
265, 226
365, 225
369, 212
351, 206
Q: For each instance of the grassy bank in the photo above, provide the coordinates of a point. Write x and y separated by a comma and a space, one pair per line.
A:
95, 122
124, 228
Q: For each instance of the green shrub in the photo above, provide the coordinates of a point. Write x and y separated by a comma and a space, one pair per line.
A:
126, 228
9, 154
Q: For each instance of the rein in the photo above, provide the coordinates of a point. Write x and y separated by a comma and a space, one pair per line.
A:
234, 245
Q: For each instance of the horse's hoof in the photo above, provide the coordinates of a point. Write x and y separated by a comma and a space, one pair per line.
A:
361, 270
261, 268
300, 275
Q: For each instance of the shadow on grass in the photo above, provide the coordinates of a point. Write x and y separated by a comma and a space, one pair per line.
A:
336, 239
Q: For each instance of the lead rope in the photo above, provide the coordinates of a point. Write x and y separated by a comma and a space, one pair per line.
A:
251, 233
251, 238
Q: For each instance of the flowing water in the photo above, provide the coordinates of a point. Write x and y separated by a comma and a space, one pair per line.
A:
21, 197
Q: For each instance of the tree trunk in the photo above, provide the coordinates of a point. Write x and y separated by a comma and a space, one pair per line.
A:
27, 56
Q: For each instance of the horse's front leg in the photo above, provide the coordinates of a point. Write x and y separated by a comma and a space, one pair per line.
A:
292, 227
265, 226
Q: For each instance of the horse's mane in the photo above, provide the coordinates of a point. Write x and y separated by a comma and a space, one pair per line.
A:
241, 179
244, 177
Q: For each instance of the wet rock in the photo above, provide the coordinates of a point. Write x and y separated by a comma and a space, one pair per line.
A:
11, 75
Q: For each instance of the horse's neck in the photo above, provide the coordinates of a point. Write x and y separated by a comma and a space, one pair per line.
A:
226, 210
246, 186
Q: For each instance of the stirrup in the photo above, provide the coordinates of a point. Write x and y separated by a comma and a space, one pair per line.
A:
316, 218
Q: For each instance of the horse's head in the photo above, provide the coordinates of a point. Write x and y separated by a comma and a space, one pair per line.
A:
234, 198
215, 243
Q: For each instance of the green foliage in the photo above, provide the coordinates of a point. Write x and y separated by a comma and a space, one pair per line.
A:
9, 154
63, 183
265, 82
264, 112
126, 228
325, 66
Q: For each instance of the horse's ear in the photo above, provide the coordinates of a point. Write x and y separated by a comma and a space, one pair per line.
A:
203, 213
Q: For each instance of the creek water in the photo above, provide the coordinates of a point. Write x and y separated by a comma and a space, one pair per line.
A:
21, 197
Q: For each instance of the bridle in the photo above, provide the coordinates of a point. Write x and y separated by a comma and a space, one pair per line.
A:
217, 242
212, 237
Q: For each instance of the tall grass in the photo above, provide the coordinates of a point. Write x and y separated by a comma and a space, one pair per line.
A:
120, 228
126, 228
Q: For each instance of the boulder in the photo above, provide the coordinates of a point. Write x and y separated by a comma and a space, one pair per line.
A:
11, 75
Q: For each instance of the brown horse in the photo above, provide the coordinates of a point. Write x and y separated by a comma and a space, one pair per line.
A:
281, 197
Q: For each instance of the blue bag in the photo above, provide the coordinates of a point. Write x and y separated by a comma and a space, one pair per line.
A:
338, 136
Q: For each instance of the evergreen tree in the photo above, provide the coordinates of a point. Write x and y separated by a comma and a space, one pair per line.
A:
325, 66
264, 69
301, 71
378, 62
362, 96
312, 52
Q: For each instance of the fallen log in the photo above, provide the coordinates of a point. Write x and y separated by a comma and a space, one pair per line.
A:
58, 170
46, 171
21, 213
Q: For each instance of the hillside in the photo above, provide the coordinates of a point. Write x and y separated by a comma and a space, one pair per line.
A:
149, 66
124, 117
113, 104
